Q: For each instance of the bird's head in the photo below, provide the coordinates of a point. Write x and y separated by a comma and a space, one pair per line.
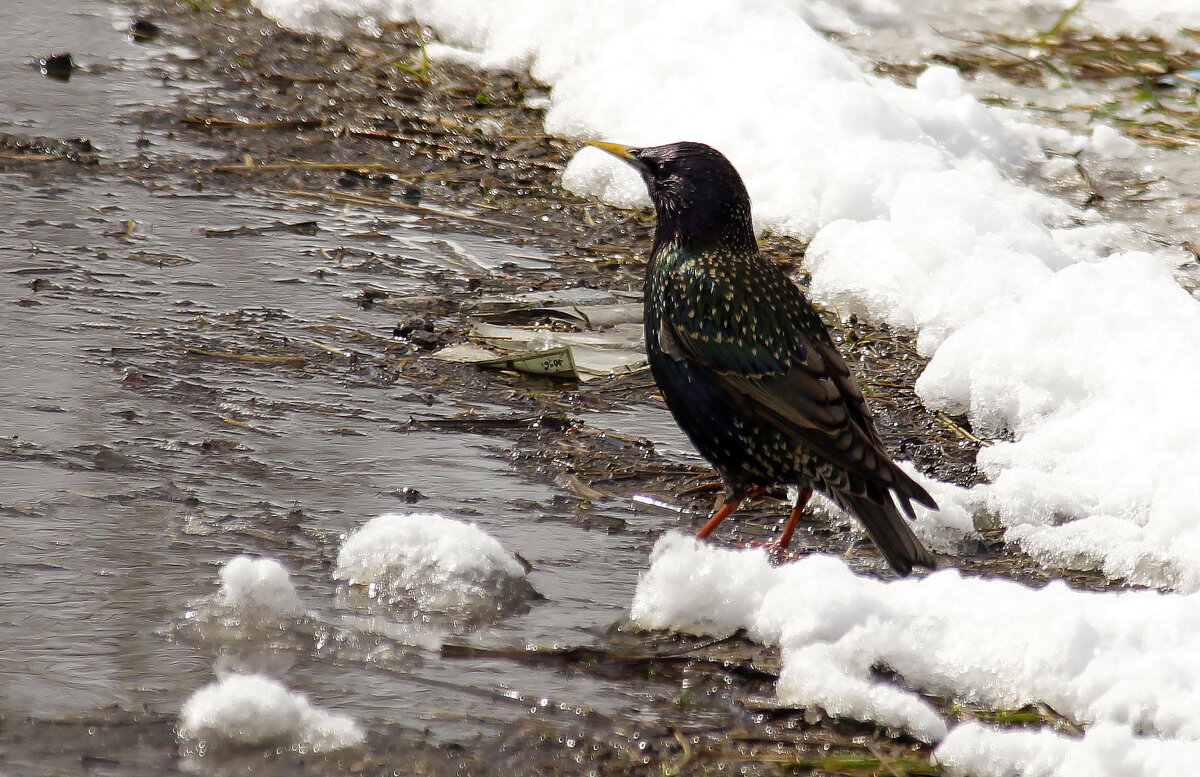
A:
697, 193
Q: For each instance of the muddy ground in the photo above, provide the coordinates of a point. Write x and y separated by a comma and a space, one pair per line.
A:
366, 124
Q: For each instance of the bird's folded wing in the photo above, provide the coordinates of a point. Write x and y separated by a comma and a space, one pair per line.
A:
775, 355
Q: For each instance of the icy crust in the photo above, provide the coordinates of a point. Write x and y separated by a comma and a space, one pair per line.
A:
847, 17
253, 709
1124, 660
432, 564
814, 138
258, 587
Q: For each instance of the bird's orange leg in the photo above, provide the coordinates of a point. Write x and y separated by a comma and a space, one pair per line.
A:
722, 512
719, 515
789, 528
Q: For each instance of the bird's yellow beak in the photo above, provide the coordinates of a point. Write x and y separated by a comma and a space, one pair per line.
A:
616, 149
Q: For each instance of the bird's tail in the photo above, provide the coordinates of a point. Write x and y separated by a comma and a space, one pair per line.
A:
890, 532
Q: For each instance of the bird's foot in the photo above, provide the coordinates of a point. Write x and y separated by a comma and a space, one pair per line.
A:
777, 553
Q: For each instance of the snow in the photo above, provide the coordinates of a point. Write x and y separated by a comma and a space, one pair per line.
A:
1108, 142
437, 564
943, 530
258, 586
1113, 661
1104, 751
1099, 436
253, 709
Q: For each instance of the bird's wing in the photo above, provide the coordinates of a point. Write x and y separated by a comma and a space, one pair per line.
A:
759, 337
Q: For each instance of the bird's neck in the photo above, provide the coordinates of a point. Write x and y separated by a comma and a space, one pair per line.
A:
694, 231
677, 250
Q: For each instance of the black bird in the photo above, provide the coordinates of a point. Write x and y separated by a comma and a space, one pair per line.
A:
747, 367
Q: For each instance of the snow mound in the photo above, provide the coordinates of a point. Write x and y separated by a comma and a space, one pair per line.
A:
433, 564
1104, 751
259, 587
1119, 659
253, 709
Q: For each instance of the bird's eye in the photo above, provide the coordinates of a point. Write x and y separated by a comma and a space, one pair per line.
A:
651, 164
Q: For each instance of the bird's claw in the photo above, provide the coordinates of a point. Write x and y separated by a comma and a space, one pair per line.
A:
775, 552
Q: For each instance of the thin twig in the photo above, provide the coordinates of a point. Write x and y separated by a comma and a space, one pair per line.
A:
961, 432
29, 157
245, 357
884, 761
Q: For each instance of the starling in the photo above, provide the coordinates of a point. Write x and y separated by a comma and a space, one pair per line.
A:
746, 366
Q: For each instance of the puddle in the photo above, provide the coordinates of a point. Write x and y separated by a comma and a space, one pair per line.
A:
136, 461
652, 424
158, 422
113, 77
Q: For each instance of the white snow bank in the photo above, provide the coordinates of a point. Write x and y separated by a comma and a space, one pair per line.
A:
1087, 363
253, 709
434, 563
1093, 374
1125, 659
258, 586
1103, 751
1034, 323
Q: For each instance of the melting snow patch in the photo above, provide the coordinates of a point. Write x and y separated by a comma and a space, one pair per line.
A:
433, 564
1104, 751
253, 709
1117, 659
951, 527
258, 586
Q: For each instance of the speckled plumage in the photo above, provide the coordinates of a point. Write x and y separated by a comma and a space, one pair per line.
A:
745, 364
